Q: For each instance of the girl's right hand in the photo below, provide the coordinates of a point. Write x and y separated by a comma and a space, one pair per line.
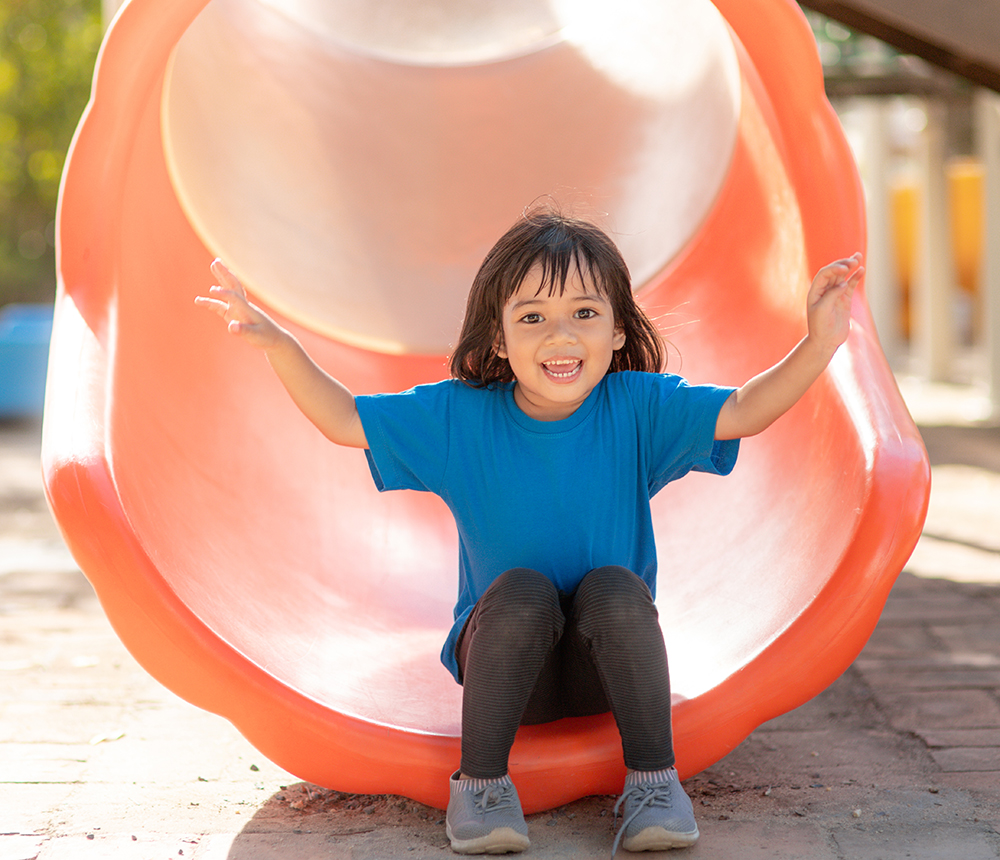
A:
229, 300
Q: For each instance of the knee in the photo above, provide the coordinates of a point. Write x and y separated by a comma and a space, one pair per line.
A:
523, 599
614, 598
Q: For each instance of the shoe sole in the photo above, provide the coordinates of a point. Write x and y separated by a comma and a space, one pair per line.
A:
658, 839
502, 840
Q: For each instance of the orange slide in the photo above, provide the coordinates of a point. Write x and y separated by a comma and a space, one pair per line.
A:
353, 168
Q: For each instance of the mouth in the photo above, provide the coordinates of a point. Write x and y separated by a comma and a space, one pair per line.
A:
562, 369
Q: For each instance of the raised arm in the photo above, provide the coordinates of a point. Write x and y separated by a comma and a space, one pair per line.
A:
323, 400
765, 398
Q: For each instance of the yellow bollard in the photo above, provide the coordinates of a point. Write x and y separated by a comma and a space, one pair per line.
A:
965, 184
965, 212
904, 206
966, 204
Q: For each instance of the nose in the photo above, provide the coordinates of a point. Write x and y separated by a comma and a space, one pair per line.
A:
561, 330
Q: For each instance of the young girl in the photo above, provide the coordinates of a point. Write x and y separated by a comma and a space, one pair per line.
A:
547, 446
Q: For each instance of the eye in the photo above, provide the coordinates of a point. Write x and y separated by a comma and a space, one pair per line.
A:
531, 318
586, 313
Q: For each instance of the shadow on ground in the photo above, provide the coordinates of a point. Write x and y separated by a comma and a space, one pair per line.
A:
307, 822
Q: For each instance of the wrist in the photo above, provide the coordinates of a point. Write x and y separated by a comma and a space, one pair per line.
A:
818, 351
283, 343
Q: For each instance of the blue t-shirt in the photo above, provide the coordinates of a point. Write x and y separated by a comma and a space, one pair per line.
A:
560, 497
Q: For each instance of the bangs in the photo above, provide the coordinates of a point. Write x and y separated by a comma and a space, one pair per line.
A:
557, 260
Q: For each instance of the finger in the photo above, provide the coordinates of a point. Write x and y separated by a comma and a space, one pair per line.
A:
849, 284
838, 274
227, 278
229, 305
845, 263
852, 279
226, 293
216, 305
826, 279
853, 260
236, 301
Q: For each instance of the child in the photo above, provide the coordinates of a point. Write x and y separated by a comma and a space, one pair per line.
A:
547, 446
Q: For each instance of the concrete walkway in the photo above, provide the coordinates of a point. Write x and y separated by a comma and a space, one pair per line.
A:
900, 758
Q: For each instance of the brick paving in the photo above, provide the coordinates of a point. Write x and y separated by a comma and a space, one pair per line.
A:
899, 758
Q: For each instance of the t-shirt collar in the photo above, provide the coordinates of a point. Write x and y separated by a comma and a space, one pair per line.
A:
533, 425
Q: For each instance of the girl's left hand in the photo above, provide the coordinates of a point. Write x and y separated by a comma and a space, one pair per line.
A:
828, 306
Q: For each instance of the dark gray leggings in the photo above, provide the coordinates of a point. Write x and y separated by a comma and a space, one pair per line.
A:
529, 654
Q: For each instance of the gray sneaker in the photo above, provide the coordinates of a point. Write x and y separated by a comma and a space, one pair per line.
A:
485, 817
657, 814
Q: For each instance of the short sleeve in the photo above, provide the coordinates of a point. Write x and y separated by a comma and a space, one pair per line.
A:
407, 436
681, 431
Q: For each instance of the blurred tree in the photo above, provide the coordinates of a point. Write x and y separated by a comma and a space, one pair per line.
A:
47, 54
843, 49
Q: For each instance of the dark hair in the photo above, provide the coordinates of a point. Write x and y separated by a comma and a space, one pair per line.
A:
545, 237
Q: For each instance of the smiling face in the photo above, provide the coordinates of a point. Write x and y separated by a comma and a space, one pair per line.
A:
559, 345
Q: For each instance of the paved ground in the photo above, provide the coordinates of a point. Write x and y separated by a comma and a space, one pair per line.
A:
900, 758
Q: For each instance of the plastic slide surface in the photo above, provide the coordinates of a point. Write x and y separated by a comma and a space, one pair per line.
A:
354, 170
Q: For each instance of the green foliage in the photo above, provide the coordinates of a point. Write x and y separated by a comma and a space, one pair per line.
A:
47, 54
844, 50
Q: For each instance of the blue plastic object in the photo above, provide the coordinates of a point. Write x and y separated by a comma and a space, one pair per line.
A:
25, 331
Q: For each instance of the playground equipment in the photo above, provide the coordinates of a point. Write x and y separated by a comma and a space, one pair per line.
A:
353, 172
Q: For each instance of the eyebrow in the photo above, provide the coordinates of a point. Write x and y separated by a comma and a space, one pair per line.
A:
535, 300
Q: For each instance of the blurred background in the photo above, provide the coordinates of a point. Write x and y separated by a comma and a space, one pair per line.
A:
917, 97
47, 54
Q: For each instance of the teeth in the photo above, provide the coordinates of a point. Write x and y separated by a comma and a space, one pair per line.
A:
570, 365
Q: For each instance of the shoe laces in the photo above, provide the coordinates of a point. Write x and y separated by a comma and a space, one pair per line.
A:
645, 796
495, 797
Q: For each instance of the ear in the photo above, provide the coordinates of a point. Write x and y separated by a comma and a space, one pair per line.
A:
618, 339
498, 346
